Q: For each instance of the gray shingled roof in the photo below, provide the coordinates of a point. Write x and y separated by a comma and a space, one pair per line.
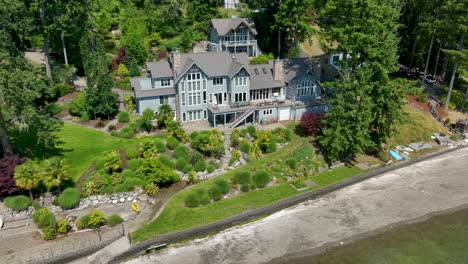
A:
214, 63
159, 69
139, 93
296, 68
225, 25
262, 76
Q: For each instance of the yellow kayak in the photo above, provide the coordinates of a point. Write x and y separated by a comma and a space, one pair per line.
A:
135, 207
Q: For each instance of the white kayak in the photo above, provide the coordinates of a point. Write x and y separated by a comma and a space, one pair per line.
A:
1, 222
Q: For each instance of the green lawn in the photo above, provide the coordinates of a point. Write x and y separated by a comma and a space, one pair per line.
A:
442, 239
82, 146
176, 216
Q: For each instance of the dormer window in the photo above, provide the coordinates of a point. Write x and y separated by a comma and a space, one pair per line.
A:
218, 81
165, 82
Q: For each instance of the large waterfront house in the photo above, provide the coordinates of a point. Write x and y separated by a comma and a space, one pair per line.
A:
236, 35
224, 89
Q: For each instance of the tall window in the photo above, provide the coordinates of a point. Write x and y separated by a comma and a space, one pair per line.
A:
218, 81
240, 81
165, 82
163, 99
304, 88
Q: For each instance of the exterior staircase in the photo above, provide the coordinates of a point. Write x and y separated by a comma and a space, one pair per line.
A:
236, 121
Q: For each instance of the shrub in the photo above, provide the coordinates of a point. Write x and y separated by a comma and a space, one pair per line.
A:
100, 163
174, 129
241, 177
69, 198
234, 157
146, 119
132, 153
53, 109
245, 146
215, 192
159, 145
194, 135
46, 219
192, 177
181, 151
63, 226
235, 137
96, 218
204, 197
423, 98
210, 168
172, 142
152, 189
63, 89
49, 233
155, 171
261, 179
133, 164
82, 222
187, 168
166, 160
84, 116
243, 132
310, 122
17, 203
128, 174
223, 185
195, 156
455, 137
282, 134
123, 117
112, 161
252, 131
127, 132
245, 187
77, 106
292, 163
192, 199
114, 219
210, 143
181, 163
200, 165
271, 147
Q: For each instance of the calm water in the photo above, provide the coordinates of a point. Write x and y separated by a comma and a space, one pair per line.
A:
442, 239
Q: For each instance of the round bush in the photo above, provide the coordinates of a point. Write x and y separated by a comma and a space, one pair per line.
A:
200, 165
159, 145
245, 187
47, 219
69, 198
100, 162
123, 117
96, 218
128, 174
252, 131
204, 198
243, 132
181, 151
241, 177
114, 219
82, 222
194, 135
244, 146
223, 185
187, 168
127, 132
53, 109
63, 226
192, 199
181, 163
166, 160
271, 147
132, 153
49, 233
17, 203
172, 142
261, 179
210, 168
133, 164
292, 163
215, 193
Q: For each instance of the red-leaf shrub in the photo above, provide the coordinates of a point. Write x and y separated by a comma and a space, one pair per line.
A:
310, 122
7, 171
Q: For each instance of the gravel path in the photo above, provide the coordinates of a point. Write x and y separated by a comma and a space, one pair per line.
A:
395, 197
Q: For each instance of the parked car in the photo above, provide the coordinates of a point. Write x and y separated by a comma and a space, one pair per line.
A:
429, 79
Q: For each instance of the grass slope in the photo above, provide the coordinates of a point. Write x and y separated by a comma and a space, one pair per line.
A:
82, 146
176, 216
419, 126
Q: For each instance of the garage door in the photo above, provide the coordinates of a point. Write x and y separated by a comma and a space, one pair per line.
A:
284, 114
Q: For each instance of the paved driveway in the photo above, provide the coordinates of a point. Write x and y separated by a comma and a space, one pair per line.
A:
395, 197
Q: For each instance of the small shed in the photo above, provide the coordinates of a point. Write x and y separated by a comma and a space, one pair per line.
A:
462, 126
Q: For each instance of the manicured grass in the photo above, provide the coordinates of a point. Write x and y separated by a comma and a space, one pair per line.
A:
442, 239
419, 126
82, 146
176, 216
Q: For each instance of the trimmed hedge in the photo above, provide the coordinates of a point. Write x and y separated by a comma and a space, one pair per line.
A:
17, 203
172, 142
69, 198
261, 179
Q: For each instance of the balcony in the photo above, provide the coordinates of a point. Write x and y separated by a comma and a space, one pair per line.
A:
239, 43
256, 105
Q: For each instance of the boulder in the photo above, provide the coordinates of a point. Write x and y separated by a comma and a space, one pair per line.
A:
122, 199
114, 201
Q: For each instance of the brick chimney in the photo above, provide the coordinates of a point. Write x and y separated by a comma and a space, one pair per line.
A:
278, 70
176, 61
